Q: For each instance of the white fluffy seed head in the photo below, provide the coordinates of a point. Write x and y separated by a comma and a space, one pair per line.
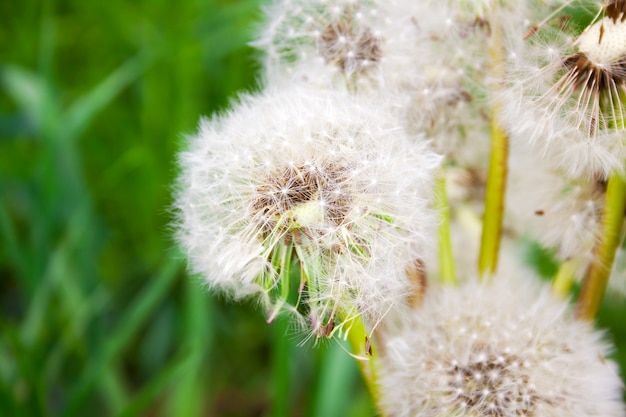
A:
327, 183
430, 56
561, 212
354, 44
454, 73
507, 349
566, 91
450, 63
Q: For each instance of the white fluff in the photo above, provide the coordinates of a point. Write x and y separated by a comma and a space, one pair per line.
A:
333, 175
562, 113
353, 44
503, 349
561, 212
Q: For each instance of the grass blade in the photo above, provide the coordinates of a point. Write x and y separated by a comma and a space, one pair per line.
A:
85, 108
337, 376
136, 315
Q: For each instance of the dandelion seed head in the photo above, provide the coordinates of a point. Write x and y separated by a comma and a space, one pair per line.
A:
565, 94
450, 100
342, 43
560, 212
558, 373
326, 205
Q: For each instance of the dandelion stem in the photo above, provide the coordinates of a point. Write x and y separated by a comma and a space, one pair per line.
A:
281, 261
565, 277
496, 180
366, 355
597, 274
446, 256
494, 202
285, 272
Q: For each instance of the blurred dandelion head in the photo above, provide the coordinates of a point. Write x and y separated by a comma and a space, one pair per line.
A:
567, 90
323, 41
344, 43
561, 212
505, 349
449, 97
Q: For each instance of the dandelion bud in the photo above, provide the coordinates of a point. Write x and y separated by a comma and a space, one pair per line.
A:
319, 203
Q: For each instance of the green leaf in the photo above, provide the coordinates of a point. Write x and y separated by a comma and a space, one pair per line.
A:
30, 92
191, 391
134, 318
85, 108
149, 392
337, 376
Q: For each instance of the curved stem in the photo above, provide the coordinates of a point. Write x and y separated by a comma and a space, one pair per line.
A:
597, 274
366, 354
446, 256
565, 278
496, 180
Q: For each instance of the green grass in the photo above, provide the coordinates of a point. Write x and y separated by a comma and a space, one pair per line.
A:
97, 313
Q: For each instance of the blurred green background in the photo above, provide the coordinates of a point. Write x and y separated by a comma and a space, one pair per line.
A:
98, 316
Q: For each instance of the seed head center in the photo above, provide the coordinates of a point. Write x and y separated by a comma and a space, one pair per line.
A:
351, 48
604, 43
302, 196
488, 385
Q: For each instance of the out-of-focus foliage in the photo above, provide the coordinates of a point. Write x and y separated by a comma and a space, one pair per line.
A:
97, 314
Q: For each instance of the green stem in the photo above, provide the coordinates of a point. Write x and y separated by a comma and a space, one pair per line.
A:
494, 202
496, 180
281, 262
565, 278
285, 272
446, 256
366, 355
282, 379
597, 274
